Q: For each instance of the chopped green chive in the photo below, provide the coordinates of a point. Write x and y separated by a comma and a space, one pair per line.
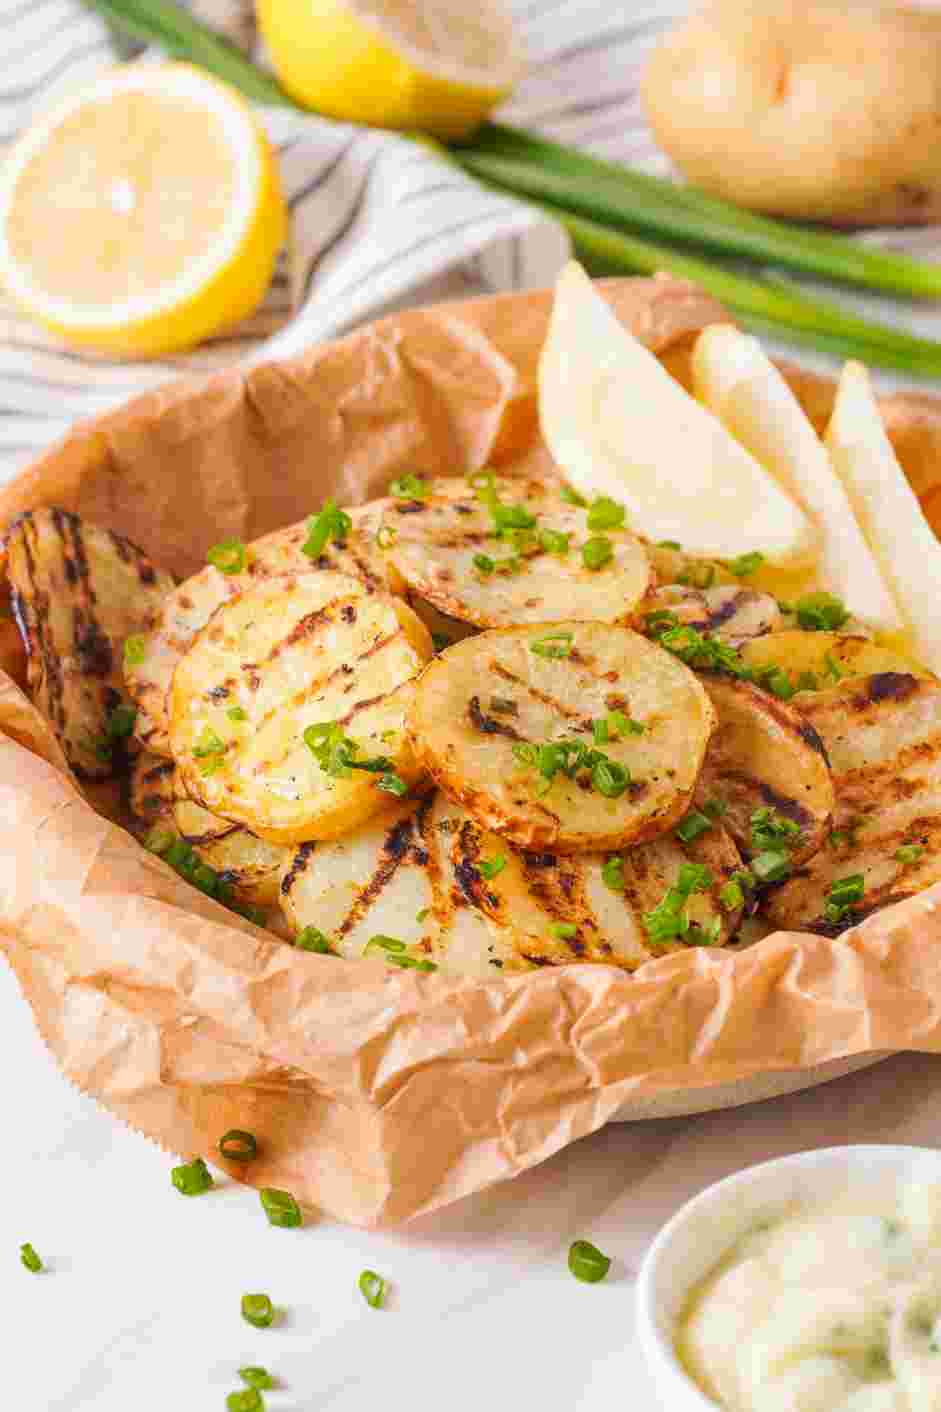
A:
511, 517
731, 896
692, 827
489, 867
772, 865
845, 891
386, 536
280, 1208
331, 523
553, 645
908, 853
669, 920
612, 873
820, 612
29, 1259
832, 668
246, 1399
694, 648
715, 808
669, 544
413, 963
389, 944
625, 725
256, 1377
484, 564
605, 513
554, 541
238, 1146
599, 730
209, 750
572, 497
771, 829
373, 1288
597, 552
135, 650
236, 713
228, 556
423, 914
808, 681
310, 939
257, 1310
587, 1263
609, 778
192, 1178
410, 488
708, 933
746, 564
391, 783
693, 877
698, 576
564, 931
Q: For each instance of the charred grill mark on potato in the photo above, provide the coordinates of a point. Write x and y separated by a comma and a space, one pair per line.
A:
729, 612
489, 725
299, 864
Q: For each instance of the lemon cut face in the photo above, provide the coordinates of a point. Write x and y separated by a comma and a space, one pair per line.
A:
143, 213
435, 66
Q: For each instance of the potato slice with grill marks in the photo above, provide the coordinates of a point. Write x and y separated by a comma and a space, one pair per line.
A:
765, 754
539, 895
394, 876
883, 736
152, 791
671, 565
188, 608
434, 543
731, 613
483, 698
291, 653
77, 592
251, 866
824, 654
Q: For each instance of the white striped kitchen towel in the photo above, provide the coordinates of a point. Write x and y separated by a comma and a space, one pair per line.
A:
376, 221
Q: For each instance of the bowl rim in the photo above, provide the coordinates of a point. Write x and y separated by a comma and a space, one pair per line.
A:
656, 1344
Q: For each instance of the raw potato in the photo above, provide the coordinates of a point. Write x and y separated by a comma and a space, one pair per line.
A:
536, 892
395, 876
188, 608
798, 651
764, 754
820, 111
467, 746
77, 593
434, 543
883, 736
295, 652
731, 613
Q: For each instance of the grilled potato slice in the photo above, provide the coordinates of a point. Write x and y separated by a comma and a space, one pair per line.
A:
561, 909
291, 653
765, 754
152, 791
674, 566
188, 608
730, 613
77, 592
824, 654
440, 548
394, 877
883, 736
482, 702
250, 865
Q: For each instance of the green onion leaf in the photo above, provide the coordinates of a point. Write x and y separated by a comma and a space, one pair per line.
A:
484, 564
745, 564
331, 523
236, 713
386, 536
423, 914
553, 645
280, 1208
715, 808
135, 650
845, 891
373, 1288
410, 487
192, 1178
605, 513
246, 1399
692, 827
832, 668
383, 943
597, 552
599, 730
731, 896
771, 829
609, 778
612, 873
693, 877
29, 1259
572, 497
554, 541
256, 1377
821, 612
413, 963
808, 681
908, 853
669, 544
237, 1145
209, 750
773, 865
310, 939
490, 867
228, 556
564, 931
391, 783
587, 1263
257, 1310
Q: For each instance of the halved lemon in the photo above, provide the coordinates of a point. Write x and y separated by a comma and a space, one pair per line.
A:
143, 213
618, 424
435, 66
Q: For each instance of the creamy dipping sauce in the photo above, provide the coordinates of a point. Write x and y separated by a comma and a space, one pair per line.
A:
829, 1306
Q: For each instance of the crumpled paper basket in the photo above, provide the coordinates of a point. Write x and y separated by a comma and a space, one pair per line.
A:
377, 1094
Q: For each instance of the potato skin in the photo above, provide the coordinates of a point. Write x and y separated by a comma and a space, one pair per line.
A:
811, 109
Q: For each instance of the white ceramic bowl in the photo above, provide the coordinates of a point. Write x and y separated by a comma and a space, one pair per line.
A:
701, 1232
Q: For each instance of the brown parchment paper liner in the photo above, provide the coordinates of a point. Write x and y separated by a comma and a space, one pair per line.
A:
378, 1094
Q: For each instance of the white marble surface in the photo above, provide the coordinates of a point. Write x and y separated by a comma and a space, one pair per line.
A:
139, 1306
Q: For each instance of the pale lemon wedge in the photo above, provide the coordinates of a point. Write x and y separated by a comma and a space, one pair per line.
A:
435, 66
143, 213
736, 380
617, 424
901, 539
